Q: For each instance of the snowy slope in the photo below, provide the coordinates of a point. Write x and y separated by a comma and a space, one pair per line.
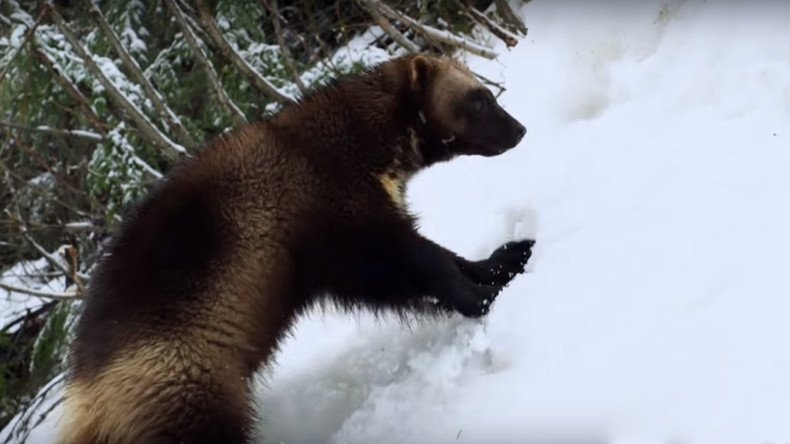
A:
656, 179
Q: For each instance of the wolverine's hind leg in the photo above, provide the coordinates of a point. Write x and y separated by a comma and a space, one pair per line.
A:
151, 397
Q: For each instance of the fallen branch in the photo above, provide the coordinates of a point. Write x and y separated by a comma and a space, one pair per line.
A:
278, 33
509, 17
80, 134
433, 33
167, 114
169, 149
67, 296
388, 28
28, 37
503, 34
200, 57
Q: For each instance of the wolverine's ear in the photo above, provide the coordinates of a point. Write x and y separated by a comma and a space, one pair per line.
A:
419, 72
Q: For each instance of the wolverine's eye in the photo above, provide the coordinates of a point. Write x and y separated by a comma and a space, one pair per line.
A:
479, 100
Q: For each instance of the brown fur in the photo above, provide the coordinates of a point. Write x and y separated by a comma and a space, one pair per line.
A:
209, 271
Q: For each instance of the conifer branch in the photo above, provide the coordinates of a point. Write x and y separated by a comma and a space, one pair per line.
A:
228, 52
28, 37
169, 149
167, 114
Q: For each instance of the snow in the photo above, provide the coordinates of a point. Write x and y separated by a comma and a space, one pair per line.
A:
654, 178
17, 35
79, 225
86, 134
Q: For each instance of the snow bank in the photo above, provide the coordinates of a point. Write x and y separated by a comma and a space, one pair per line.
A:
655, 179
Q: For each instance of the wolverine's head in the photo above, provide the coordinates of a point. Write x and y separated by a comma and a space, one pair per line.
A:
458, 113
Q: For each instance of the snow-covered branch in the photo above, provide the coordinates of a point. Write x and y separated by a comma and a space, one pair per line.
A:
167, 114
170, 149
81, 134
66, 296
200, 57
70, 88
432, 33
28, 37
387, 27
234, 57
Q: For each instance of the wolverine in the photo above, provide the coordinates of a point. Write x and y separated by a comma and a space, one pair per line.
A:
208, 272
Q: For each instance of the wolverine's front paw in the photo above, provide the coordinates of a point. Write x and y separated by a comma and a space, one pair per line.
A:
506, 262
513, 256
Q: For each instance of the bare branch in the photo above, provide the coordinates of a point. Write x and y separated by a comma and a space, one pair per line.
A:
28, 37
433, 33
169, 149
167, 114
278, 32
78, 277
78, 226
236, 115
71, 255
388, 28
503, 34
234, 57
70, 88
486, 81
80, 134
67, 296
48, 256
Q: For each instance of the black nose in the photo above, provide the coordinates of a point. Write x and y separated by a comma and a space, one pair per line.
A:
520, 131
